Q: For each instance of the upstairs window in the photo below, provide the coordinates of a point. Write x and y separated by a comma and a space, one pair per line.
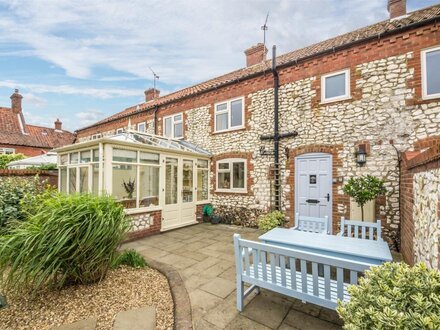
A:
229, 115
231, 175
140, 127
119, 131
335, 86
431, 73
7, 151
173, 126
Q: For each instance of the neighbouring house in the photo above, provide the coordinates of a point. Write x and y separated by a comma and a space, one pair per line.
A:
18, 137
347, 106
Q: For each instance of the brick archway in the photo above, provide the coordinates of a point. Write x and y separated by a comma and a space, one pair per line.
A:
336, 164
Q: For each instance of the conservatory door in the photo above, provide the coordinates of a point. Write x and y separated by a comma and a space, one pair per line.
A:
179, 208
171, 208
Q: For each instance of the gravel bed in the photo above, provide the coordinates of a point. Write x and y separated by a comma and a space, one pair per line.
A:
122, 289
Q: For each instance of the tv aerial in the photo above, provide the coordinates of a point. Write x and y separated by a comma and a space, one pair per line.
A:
265, 28
155, 76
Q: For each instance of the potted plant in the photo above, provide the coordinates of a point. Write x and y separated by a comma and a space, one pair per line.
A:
129, 186
364, 189
207, 212
215, 219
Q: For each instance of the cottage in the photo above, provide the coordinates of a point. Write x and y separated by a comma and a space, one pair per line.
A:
18, 137
347, 106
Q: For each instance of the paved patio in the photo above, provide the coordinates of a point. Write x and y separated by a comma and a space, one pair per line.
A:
203, 254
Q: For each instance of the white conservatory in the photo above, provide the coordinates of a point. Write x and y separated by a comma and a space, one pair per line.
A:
146, 173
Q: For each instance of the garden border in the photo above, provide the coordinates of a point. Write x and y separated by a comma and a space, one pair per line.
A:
181, 301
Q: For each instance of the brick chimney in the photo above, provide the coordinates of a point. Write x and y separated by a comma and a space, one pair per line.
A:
396, 8
58, 125
16, 101
256, 54
151, 94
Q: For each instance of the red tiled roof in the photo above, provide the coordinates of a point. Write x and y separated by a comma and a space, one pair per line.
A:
37, 136
359, 35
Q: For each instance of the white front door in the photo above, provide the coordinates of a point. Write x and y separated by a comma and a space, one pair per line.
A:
313, 183
179, 207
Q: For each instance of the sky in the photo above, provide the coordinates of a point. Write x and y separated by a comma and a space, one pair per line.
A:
83, 60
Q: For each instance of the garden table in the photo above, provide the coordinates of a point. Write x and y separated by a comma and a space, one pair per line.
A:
341, 247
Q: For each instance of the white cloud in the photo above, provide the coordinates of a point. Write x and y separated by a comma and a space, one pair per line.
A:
89, 117
102, 93
184, 41
34, 100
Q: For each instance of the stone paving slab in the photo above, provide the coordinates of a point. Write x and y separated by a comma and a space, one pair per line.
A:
203, 255
136, 319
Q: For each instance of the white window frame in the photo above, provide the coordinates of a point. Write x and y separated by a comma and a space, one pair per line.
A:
7, 151
173, 123
230, 161
347, 94
119, 130
425, 95
96, 136
228, 111
139, 125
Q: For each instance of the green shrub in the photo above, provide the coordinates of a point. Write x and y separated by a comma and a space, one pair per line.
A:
45, 167
70, 239
6, 159
271, 220
394, 296
130, 258
15, 194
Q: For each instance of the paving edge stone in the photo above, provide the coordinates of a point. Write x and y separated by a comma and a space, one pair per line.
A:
182, 304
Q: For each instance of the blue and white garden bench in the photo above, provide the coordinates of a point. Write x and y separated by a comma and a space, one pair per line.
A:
312, 275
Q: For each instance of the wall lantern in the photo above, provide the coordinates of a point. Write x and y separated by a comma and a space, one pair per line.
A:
361, 155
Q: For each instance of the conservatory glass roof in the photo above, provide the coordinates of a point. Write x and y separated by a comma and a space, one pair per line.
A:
158, 141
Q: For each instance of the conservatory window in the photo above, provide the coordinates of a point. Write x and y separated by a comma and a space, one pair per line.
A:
202, 180
63, 179
135, 178
84, 179
231, 175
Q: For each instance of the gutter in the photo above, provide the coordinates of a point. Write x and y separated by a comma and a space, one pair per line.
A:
290, 63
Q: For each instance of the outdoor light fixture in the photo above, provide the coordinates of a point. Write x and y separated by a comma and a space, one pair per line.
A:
361, 155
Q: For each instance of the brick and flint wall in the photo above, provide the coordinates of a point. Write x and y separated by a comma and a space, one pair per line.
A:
386, 111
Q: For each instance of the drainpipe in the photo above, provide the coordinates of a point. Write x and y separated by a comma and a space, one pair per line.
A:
276, 135
156, 109
396, 240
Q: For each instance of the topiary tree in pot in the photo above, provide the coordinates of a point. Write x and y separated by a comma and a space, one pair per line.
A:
364, 189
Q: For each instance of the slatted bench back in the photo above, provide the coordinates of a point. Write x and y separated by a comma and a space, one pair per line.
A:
310, 277
361, 229
311, 224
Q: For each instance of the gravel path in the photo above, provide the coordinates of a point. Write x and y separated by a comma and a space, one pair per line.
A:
123, 289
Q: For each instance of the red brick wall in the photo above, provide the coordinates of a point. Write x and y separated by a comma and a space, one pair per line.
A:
50, 176
27, 151
412, 163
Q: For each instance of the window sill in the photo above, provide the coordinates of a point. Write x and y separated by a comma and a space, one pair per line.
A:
430, 97
225, 191
241, 128
329, 101
143, 210
203, 202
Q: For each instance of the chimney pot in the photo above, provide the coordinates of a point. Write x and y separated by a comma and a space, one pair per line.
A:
151, 94
396, 8
58, 125
16, 101
256, 54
